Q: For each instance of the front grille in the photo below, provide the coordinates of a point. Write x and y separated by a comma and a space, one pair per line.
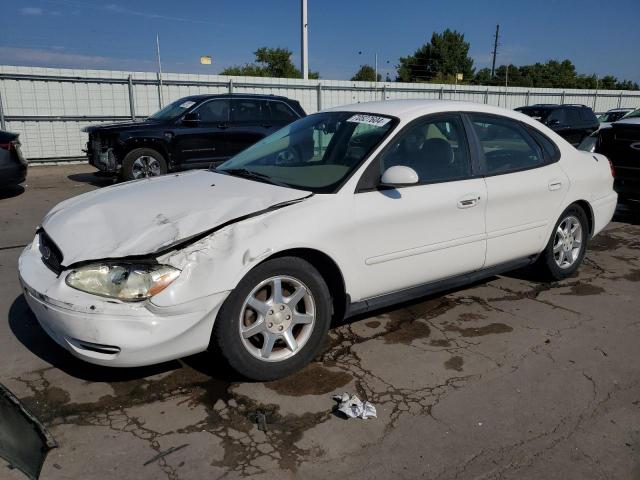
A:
51, 254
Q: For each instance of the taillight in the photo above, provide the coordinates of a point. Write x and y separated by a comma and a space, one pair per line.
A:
7, 146
613, 170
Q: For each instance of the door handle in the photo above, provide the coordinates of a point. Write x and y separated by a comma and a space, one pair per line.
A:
469, 201
555, 184
222, 126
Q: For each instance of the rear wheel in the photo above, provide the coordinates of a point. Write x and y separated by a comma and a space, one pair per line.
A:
273, 323
567, 246
143, 163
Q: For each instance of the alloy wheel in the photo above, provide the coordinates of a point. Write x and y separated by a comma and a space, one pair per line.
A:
277, 318
567, 242
145, 166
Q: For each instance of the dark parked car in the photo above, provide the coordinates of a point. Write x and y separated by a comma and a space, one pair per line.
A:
193, 132
13, 166
621, 144
571, 122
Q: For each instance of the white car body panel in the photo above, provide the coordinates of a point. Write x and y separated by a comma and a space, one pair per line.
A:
124, 220
380, 244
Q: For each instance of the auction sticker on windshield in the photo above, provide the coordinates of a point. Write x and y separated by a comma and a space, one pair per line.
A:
187, 104
370, 120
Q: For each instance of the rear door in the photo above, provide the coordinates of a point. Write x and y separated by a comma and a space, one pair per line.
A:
249, 123
204, 142
525, 188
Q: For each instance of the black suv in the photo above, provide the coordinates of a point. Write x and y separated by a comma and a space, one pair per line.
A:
621, 144
193, 132
571, 122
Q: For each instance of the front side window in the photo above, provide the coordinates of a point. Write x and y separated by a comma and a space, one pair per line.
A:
507, 147
315, 153
214, 111
436, 149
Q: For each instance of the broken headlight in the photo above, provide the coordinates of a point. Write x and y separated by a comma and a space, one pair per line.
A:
127, 282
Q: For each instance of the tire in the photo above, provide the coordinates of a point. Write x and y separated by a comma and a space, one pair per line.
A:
561, 258
143, 163
254, 308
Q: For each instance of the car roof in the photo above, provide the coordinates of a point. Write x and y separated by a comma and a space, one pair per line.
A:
622, 109
204, 96
627, 121
410, 109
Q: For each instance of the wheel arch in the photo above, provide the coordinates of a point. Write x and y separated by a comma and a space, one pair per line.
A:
586, 207
132, 144
330, 272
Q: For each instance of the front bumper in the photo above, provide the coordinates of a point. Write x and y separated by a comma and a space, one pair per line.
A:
109, 332
102, 157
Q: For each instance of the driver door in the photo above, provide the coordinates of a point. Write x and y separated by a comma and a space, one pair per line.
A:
198, 143
425, 232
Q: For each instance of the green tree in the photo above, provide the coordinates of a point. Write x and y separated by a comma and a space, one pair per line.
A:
366, 74
269, 62
441, 59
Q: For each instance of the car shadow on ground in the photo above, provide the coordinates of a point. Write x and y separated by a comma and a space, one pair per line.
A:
11, 191
93, 178
28, 331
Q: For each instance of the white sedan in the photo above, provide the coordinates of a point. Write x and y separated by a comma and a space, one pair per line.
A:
342, 212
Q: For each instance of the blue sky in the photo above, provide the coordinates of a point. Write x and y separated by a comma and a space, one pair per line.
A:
599, 37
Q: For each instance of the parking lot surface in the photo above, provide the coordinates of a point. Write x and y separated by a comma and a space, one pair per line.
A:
508, 378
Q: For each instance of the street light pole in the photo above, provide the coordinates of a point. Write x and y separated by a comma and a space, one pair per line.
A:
305, 47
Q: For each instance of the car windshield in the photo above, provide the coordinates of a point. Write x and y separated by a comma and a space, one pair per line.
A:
315, 153
611, 116
173, 110
633, 114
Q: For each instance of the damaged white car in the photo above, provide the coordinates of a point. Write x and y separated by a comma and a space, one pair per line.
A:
339, 213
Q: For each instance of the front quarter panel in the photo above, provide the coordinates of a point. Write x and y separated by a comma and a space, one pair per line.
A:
218, 262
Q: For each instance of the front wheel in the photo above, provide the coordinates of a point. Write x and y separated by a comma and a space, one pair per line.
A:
143, 163
567, 246
273, 323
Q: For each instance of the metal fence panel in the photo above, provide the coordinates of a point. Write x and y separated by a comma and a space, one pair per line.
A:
49, 106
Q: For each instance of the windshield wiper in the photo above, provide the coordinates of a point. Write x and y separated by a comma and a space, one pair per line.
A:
243, 172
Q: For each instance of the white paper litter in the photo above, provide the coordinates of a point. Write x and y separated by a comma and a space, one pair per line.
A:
353, 407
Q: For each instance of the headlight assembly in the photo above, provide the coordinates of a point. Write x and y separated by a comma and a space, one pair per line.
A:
124, 281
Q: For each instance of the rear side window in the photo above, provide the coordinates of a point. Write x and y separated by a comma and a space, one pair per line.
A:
248, 111
558, 114
506, 145
573, 116
588, 116
551, 150
281, 112
214, 111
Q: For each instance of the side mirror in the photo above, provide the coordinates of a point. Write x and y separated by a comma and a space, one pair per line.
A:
191, 118
399, 176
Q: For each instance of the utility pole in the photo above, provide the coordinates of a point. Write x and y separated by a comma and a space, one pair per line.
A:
376, 68
160, 99
305, 47
495, 50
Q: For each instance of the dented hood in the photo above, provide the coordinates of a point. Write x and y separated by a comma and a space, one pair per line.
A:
146, 216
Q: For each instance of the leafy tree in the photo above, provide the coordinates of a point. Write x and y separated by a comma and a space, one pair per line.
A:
366, 74
552, 74
441, 59
269, 62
